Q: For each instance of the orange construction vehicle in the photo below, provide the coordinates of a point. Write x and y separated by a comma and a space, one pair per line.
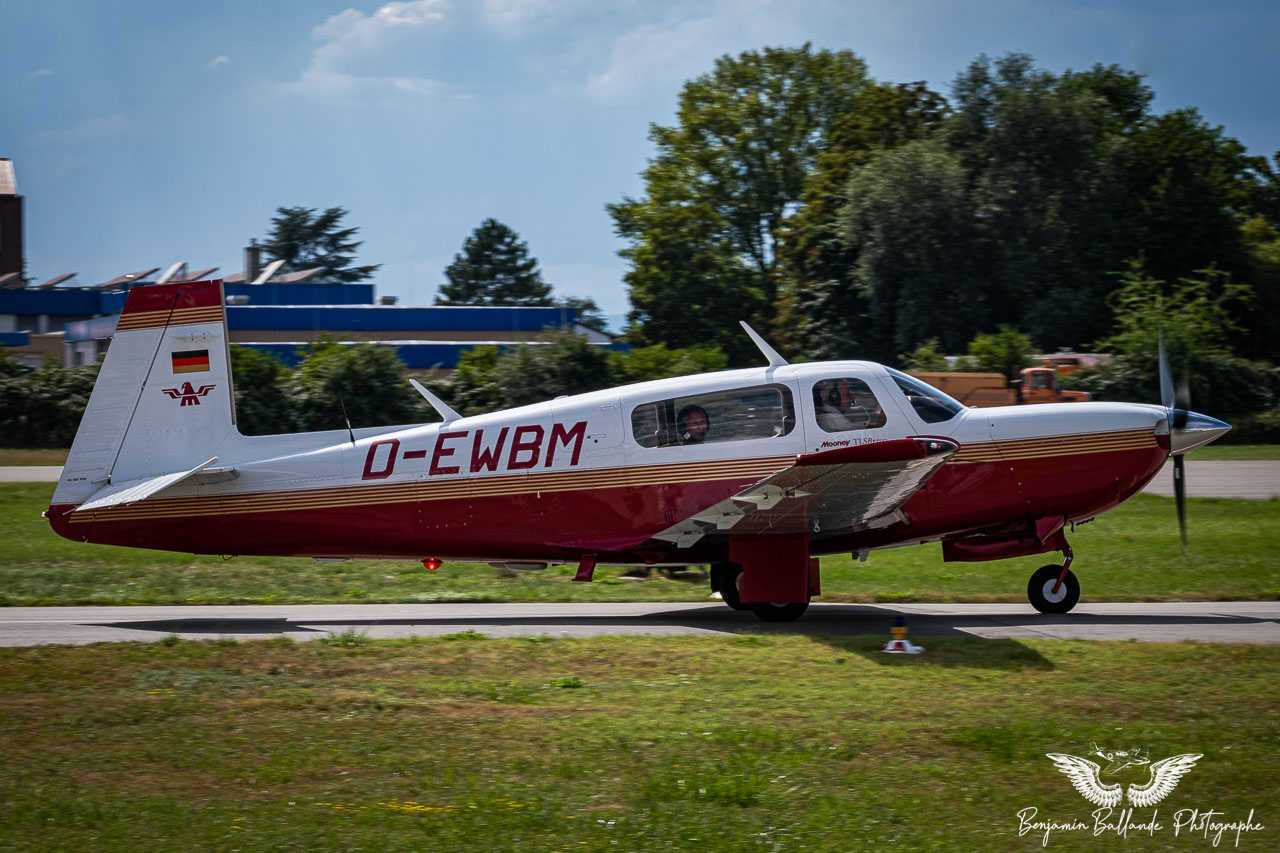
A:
1034, 385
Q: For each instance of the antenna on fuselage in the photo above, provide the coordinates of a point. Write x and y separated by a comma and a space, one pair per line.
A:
350, 432
770, 353
440, 406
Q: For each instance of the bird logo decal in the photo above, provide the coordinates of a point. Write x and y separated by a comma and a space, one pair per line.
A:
1085, 776
188, 395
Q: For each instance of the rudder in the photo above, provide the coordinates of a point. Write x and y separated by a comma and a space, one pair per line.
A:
163, 400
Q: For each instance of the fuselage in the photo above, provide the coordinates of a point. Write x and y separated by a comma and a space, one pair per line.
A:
602, 473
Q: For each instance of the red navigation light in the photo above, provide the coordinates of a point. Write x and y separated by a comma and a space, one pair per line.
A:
432, 564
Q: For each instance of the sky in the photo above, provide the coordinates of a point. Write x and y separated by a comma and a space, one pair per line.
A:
145, 133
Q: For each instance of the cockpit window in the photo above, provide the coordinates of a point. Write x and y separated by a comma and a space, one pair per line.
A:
931, 405
845, 404
763, 411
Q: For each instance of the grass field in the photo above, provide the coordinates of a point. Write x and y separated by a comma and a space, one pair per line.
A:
749, 743
1129, 554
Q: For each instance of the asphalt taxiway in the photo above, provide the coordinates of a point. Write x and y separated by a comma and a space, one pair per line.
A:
1208, 622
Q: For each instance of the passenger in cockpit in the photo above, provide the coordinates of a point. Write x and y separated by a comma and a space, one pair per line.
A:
692, 424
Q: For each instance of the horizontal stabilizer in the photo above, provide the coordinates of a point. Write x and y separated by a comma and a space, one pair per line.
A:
137, 490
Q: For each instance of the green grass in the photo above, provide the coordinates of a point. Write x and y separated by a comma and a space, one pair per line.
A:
747, 743
1233, 452
1129, 554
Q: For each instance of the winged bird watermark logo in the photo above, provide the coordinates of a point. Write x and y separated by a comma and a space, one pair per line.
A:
188, 395
1085, 775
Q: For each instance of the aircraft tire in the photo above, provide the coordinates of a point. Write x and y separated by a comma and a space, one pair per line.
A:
725, 576
1039, 590
780, 611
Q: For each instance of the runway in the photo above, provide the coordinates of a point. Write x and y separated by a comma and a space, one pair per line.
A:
1209, 622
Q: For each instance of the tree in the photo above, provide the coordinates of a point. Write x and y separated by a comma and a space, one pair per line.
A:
494, 268
921, 268
304, 239
43, 407
1195, 316
586, 312
1006, 351
365, 379
720, 187
262, 405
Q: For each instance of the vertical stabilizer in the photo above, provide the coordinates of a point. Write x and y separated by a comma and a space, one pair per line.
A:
163, 400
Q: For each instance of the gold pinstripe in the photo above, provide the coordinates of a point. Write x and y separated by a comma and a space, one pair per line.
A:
177, 317
482, 487
1060, 445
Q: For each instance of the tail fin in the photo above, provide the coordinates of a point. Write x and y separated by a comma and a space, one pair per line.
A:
163, 401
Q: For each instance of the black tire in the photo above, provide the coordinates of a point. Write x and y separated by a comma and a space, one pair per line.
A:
724, 579
1039, 590
778, 611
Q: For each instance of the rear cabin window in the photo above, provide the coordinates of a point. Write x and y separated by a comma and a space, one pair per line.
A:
844, 403
762, 411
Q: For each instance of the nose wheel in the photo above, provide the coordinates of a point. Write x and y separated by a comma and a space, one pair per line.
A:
1054, 589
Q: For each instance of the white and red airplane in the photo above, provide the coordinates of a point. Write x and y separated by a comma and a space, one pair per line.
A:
752, 471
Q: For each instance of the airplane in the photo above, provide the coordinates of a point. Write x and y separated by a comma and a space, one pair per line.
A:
755, 472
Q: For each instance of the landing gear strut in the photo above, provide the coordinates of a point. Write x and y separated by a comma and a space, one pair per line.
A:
1054, 589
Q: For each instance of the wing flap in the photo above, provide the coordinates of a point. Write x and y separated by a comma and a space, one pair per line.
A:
836, 491
137, 490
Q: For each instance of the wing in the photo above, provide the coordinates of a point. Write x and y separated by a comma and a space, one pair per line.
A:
1164, 778
205, 389
833, 492
1083, 774
172, 393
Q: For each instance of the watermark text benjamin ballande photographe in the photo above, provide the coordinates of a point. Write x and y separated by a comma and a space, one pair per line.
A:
1114, 818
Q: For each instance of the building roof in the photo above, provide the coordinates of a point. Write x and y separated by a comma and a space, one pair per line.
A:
57, 280
8, 183
129, 278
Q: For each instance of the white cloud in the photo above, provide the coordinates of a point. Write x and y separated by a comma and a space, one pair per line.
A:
42, 72
657, 55
219, 61
511, 15
350, 41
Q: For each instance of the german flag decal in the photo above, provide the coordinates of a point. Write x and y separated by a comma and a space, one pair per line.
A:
191, 361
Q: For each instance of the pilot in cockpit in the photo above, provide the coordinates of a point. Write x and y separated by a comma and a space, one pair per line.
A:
839, 408
692, 424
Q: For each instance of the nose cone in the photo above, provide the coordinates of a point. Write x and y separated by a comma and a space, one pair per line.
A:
1199, 431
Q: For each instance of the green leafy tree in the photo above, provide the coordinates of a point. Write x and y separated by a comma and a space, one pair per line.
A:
922, 268
1262, 243
366, 379
305, 238
494, 268
43, 407
1005, 351
928, 358
703, 240
659, 362
563, 363
1195, 315
586, 312
263, 406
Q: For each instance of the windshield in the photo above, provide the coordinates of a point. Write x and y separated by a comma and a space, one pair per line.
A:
930, 404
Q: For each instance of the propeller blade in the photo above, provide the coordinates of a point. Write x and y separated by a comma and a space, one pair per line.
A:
1166, 377
1180, 496
1182, 400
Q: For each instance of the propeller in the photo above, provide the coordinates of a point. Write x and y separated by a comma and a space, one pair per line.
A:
1178, 402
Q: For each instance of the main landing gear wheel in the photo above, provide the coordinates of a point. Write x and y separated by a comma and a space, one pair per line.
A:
1043, 598
724, 579
778, 611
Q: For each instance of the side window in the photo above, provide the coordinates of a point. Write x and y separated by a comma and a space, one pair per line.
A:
763, 411
845, 404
